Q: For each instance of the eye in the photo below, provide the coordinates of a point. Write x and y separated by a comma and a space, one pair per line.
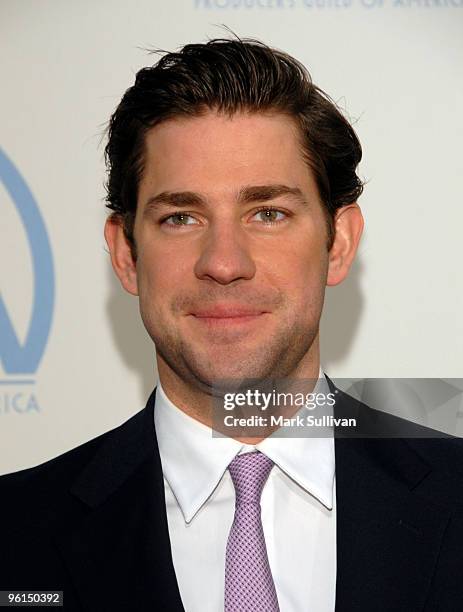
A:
269, 215
179, 219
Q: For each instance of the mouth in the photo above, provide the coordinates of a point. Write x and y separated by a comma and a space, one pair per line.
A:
226, 315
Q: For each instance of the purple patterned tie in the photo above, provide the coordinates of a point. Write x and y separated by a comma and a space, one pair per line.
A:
249, 585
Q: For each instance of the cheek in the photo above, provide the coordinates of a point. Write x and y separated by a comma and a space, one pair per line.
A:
306, 287
160, 277
150, 280
300, 268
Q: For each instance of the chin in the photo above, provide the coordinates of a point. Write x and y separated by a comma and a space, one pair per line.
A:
215, 375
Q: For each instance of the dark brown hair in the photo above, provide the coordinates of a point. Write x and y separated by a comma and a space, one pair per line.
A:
230, 76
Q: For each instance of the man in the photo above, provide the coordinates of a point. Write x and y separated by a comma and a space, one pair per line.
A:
233, 186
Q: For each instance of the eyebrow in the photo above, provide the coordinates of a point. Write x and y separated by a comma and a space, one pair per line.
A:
246, 195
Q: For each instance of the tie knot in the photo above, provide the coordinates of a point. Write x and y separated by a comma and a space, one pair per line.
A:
249, 473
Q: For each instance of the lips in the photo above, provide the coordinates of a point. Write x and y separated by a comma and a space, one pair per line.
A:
227, 311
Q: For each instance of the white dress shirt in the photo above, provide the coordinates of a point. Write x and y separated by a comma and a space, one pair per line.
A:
298, 511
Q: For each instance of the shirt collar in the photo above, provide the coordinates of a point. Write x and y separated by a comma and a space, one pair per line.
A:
193, 461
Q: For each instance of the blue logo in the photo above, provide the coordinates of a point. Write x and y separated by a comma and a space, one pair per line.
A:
24, 358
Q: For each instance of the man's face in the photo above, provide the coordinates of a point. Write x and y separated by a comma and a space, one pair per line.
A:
231, 240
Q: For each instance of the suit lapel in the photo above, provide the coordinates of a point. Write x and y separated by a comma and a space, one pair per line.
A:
388, 536
119, 553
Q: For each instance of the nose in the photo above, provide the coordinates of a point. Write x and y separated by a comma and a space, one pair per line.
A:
225, 256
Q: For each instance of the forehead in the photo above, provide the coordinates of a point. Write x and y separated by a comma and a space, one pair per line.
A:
215, 151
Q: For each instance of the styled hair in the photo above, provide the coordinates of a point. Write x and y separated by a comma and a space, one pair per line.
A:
231, 76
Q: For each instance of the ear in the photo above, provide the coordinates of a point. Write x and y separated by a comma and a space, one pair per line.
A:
121, 255
348, 226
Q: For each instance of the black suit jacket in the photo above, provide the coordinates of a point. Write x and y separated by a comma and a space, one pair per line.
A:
92, 522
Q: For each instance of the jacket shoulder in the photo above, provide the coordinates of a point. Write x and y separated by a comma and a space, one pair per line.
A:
49, 479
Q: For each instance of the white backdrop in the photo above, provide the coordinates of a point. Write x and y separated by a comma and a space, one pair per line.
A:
394, 65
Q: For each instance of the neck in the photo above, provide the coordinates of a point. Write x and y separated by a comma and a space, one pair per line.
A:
197, 401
